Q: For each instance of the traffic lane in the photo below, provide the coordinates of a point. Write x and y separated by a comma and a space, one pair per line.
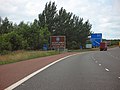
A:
79, 72
114, 52
11, 73
107, 61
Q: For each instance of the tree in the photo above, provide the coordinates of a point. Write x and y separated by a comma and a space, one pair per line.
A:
85, 32
50, 22
39, 35
48, 16
34, 40
42, 21
65, 23
11, 42
62, 22
0, 22
15, 40
5, 26
45, 35
4, 44
75, 31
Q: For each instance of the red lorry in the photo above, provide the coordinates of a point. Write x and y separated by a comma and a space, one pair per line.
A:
103, 46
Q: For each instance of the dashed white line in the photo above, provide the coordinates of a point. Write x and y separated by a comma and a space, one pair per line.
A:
119, 77
93, 58
96, 61
99, 64
107, 69
112, 56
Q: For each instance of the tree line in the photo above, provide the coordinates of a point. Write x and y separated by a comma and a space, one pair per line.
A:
32, 36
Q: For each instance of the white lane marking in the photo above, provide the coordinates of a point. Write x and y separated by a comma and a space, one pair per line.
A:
96, 61
112, 55
107, 69
36, 72
93, 58
119, 77
99, 64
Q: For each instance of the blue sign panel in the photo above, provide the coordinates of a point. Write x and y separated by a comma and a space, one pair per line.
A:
45, 47
96, 38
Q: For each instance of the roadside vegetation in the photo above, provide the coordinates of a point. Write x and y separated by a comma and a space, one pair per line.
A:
24, 41
115, 42
22, 55
33, 35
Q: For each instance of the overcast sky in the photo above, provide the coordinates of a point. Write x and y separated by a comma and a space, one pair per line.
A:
104, 15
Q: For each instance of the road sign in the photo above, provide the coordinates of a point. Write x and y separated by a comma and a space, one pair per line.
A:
88, 45
58, 42
45, 47
96, 38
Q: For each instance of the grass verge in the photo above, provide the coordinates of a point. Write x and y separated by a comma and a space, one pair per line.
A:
84, 50
24, 55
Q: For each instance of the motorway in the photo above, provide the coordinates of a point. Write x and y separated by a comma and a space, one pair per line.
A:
96, 70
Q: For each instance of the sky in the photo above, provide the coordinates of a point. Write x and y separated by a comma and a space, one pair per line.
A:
104, 15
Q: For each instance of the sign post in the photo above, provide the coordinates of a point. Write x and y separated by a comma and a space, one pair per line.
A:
58, 42
96, 38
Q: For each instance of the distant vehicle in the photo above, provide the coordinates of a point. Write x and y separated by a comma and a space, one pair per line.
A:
103, 46
119, 44
108, 42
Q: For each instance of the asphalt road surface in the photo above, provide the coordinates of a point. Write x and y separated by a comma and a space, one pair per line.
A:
97, 70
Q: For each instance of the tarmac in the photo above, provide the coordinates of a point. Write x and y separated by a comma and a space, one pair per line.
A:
11, 73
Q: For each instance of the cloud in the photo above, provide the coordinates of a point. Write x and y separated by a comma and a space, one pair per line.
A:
104, 15
116, 6
21, 10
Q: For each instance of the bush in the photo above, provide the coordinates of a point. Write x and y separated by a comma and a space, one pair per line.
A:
15, 40
4, 52
11, 42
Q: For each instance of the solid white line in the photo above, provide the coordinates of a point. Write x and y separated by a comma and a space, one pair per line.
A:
36, 72
107, 69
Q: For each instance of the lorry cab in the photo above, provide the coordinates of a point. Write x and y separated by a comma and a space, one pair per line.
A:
103, 46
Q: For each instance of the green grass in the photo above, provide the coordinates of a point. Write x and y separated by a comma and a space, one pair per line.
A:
84, 50
24, 55
27, 55
91, 49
